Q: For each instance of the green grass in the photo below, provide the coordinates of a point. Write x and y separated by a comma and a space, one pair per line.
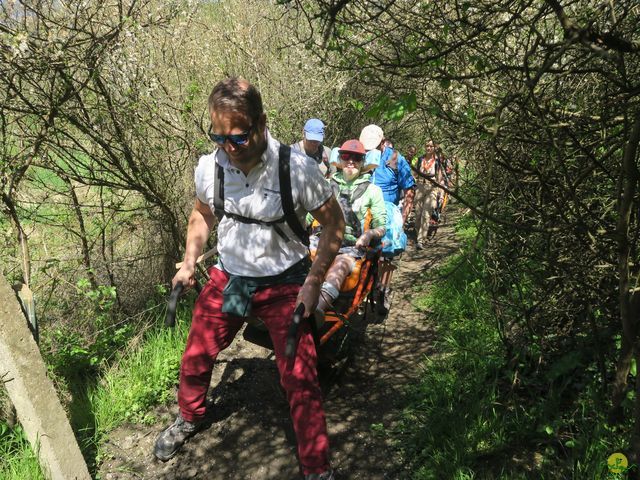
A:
143, 377
471, 417
451, 418
18, 461
45, 176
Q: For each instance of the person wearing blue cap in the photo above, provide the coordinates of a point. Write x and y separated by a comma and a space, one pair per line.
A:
311, 145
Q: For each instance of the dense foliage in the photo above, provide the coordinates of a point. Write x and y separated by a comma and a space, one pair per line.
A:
103, 114
472, 415
539, 99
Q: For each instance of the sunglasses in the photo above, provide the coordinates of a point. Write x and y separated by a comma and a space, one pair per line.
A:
238, 139
354, 157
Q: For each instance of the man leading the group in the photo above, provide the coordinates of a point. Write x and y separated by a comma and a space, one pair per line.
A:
263, 268
311, 145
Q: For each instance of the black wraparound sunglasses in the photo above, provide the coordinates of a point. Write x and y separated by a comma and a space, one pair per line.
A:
238, 139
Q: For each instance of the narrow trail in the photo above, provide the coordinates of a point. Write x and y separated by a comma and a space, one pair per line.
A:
249, 434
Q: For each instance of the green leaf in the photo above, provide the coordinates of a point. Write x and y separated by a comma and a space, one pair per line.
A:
356, 104
389, 109
565, 365
379, 107
410, 101
471, 115
396, 112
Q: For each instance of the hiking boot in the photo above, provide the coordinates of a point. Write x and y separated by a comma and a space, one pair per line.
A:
382, 302
419, 246
328, 475
173, 437
386, 302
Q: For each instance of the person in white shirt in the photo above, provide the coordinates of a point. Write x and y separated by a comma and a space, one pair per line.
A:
263, 269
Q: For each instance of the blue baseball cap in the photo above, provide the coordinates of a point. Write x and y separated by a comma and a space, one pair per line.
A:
314, 130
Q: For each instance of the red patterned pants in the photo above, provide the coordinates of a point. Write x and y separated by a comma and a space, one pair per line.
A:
212, 331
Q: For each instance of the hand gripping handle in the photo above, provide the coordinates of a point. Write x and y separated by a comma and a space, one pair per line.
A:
170, 321
292, 336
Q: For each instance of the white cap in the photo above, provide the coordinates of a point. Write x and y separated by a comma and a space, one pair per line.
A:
371, 136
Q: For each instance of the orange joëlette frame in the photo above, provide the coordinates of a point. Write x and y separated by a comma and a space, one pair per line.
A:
364, 286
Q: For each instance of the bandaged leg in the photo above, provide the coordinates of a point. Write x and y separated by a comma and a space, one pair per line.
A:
341, 267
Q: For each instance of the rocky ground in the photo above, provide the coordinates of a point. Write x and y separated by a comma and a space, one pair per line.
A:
249, 435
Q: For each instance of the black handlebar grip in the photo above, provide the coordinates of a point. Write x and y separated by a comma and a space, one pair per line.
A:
290, 348
170, 321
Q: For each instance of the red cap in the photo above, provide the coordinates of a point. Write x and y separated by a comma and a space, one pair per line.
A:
352, 146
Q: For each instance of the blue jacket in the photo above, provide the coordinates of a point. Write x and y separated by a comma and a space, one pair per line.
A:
391, 180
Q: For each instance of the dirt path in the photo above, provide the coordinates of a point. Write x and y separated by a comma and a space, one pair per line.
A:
250, 436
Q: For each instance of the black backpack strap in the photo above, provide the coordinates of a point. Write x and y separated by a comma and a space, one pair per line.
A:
325, 161
335, 188
359, 191
284, 174
218, 193
290, 217
346, 198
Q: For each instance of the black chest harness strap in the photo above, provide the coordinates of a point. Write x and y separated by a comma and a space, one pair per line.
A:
346, 199
289, 214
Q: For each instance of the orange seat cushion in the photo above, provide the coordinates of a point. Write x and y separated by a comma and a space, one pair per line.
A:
352, 280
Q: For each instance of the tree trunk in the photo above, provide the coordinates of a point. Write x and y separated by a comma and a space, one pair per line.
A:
628, 315
82, 234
